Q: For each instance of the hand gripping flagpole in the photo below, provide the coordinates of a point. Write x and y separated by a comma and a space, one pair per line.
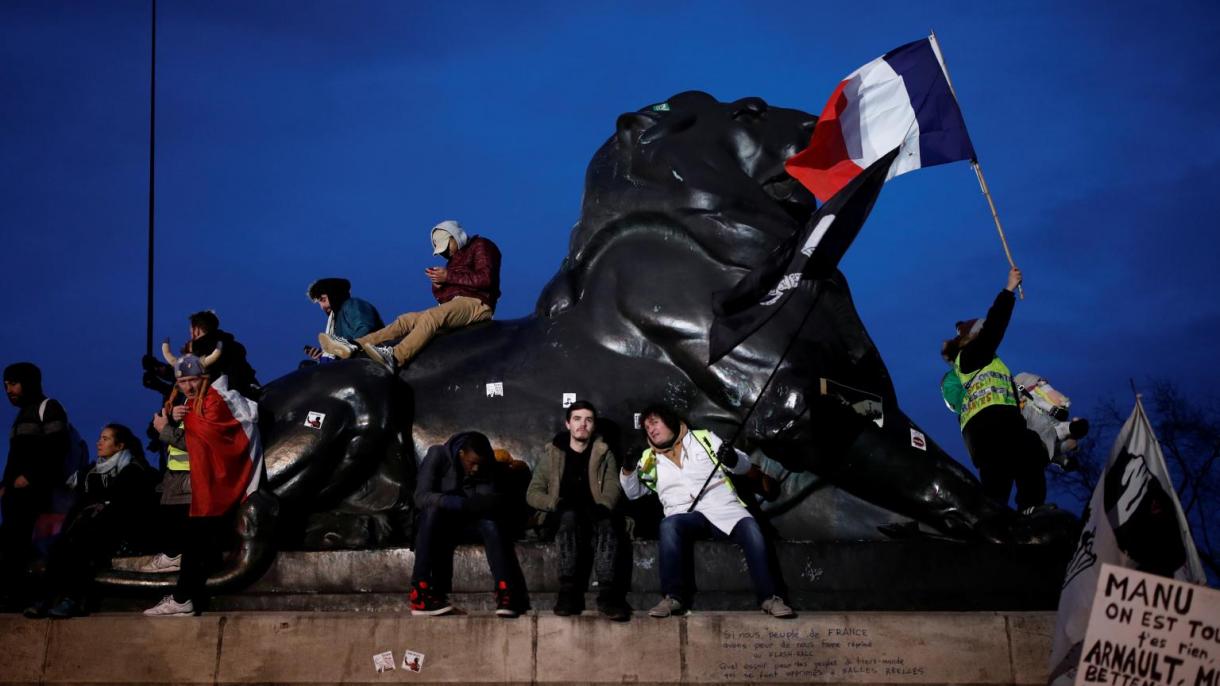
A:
978, 169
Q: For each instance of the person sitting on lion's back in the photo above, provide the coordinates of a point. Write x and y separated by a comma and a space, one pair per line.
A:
347, 317
466, 290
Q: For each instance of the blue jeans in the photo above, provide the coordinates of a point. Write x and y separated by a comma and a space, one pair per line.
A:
678, 535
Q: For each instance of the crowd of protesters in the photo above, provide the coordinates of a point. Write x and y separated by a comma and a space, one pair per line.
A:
182, 516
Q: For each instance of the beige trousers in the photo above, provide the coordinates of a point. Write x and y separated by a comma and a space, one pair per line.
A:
417, 328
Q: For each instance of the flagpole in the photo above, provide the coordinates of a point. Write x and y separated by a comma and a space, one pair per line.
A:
152, 142
978, 169
758, 399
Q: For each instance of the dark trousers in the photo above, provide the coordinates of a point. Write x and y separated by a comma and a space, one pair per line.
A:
678, 535
202, 552
1007, 453
171, 528
20, 508
437, 533
85, 546
588, 541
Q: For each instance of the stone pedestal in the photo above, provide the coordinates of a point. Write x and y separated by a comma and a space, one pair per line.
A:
705, 648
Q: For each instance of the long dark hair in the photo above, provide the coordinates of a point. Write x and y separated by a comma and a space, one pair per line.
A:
127, 437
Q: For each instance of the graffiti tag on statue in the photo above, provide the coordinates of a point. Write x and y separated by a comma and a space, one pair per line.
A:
1148, 630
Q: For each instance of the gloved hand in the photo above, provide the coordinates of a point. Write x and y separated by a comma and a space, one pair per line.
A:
630, 461
726, 456
452, 503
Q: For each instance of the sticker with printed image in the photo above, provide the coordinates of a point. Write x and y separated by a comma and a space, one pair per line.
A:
413, 661
314, 420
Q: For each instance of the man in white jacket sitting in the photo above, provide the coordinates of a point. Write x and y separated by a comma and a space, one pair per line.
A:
676, 466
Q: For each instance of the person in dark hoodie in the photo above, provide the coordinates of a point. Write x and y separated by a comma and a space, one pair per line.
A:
114, 498
38, 445
466, 290
458, 492
1000, 445
347, 317
576, 483
206, 336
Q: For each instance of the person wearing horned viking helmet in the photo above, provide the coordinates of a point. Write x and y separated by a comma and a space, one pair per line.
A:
222, 439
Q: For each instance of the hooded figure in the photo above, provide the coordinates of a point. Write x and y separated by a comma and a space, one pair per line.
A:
347, 318
466, 290
458, 493
38, 447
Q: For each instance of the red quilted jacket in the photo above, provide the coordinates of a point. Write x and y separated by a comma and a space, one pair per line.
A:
474, 271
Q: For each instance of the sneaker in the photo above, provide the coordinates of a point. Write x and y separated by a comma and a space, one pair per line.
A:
616, 610
162, 564
66, 608
383, 354
336, 345
426, 603
776, 607
168, 607
1038, 509
504, 602
36, 611
667, 607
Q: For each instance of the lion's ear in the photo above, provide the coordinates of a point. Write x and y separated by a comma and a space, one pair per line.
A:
631, 126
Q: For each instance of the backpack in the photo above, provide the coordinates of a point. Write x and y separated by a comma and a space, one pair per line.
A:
77, 458
1037, 391
952, 391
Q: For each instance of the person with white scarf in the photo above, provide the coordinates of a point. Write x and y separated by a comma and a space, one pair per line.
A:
113, 496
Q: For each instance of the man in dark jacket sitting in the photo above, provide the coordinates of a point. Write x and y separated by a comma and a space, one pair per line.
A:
466, 290
347, 317
576, 483
458, 492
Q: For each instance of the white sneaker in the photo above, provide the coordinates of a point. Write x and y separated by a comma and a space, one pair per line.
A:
336, 345
168, 607
162, 564
776, 607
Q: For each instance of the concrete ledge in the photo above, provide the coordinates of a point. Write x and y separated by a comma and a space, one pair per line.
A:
704, 648
825, 576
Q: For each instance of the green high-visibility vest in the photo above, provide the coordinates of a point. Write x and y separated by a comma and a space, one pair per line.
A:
990, 385
648, 464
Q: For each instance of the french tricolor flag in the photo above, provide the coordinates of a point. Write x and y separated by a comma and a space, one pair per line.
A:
899, 100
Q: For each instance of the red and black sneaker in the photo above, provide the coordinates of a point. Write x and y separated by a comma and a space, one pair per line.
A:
504, 601
425, 602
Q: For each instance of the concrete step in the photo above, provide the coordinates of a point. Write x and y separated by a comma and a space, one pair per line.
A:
703, 648
864, 575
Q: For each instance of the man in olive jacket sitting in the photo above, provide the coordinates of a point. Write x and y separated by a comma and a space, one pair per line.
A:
576, 482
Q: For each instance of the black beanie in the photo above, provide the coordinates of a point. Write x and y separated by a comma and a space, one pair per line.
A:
28, 375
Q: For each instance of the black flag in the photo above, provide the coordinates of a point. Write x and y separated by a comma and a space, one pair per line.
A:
816, 249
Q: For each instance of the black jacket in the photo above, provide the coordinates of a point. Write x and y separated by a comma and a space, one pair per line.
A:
442, 483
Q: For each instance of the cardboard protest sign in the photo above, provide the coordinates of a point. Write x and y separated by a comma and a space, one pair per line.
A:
1149, 630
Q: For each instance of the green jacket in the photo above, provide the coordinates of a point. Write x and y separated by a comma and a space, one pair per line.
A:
543, 492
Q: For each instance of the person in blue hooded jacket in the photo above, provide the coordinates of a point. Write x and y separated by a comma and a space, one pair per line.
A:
347, 317
459, 492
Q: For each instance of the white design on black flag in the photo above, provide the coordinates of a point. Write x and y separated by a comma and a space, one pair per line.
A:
815, 249
1134, 520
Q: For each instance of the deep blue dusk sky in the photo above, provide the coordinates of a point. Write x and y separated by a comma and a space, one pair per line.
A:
305, 139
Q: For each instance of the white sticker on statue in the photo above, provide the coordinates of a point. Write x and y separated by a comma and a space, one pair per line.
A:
314, 420
384, 662
413, 661
568, 399
918, 440
495, 390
